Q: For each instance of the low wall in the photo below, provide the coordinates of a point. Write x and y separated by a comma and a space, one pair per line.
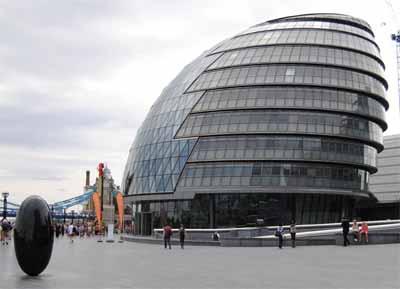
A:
337, 239
251, 232
243, 242
373, 238
174, 242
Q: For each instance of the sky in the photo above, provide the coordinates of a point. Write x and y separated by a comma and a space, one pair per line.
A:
77, 78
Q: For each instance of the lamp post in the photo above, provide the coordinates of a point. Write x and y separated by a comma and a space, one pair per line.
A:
72, 216
5, 196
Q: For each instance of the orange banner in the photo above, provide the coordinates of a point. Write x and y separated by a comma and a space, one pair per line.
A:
120, 206
97, 207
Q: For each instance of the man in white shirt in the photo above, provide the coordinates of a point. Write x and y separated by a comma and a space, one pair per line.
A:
70, 231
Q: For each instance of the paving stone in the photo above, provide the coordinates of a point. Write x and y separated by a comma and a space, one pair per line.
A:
89, 264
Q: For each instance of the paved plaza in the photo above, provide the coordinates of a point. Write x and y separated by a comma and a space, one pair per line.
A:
89, 264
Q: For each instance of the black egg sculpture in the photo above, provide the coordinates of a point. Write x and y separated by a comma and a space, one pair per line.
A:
33, 235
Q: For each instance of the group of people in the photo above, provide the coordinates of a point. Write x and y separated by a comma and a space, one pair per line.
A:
75, 230
358, 229
280, 231
5, 229
167, 235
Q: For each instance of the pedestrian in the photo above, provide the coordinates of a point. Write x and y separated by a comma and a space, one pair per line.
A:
70, 232
215, 236
57, 230
167, 236
182, 234
81, 231
364, 231
3, 232
89, 230
293, 233
75, 230
5, 228
62, 229
354, 229
345, 231
279, 234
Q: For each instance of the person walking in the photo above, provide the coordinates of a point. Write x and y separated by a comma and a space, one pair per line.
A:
6, 227
215, 236
182, 235
293, 233
3, 232
279, 234
81, 231
364, 231
167, 236
354, 229
70, 232
345, 231
57, 230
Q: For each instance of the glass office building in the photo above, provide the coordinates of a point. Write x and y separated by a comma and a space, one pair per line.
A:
385, 184
282, 121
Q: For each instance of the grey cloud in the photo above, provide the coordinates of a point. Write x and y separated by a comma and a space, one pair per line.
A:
50, 178
25, 125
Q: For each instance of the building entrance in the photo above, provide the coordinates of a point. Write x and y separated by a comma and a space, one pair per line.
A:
144, 221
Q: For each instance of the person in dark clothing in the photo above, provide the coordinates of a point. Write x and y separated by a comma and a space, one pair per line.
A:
6, 227
57, 230
293, 233
167, 236
279, 234
345, 228
215, 236
182, 234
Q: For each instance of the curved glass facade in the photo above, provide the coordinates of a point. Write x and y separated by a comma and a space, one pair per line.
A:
301, 54
302, 36
289, 75
319, 149
271, 176
311, 25
281, 121
291, 97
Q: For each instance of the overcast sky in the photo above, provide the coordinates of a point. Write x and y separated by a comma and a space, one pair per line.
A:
78, 77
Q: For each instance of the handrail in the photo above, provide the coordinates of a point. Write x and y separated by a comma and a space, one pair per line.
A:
305, 226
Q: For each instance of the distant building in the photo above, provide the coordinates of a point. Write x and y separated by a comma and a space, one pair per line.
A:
385, 184
282, 121
109, 187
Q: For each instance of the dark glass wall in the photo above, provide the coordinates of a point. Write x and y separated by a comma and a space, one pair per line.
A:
235, 210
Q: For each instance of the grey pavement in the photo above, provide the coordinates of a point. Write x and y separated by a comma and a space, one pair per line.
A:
89, 264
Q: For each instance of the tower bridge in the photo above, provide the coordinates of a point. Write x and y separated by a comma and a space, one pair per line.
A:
94, 197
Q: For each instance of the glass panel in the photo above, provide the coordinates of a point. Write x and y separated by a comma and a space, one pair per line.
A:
305, 74
301, 36
270, 121
272, 54
277, 174
282, 147
311, 98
